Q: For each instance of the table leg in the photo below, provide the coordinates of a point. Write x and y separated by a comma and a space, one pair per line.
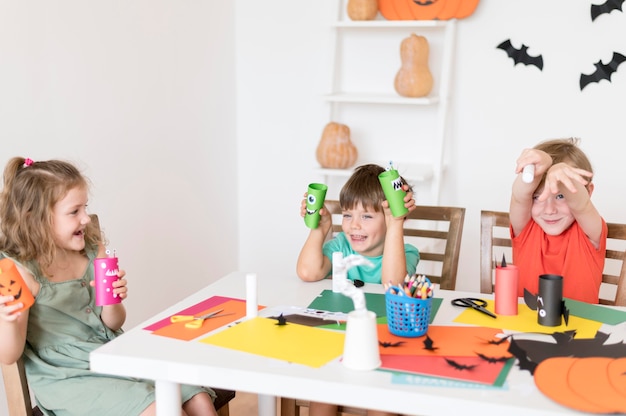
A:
168, 399
267, 405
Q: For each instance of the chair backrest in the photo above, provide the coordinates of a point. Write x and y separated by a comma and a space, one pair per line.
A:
495, 242
493, 245
435, 231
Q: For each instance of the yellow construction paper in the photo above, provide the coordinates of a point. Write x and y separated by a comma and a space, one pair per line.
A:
292, 342
526, 321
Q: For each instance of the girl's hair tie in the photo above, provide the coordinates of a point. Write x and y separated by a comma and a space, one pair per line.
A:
27, 162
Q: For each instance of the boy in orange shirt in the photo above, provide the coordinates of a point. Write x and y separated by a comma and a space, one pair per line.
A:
555, 227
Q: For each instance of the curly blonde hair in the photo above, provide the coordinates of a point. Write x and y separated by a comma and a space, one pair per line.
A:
30, 192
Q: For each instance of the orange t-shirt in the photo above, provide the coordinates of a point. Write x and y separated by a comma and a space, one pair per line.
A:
569, 254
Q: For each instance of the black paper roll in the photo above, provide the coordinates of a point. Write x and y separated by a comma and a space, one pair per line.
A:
550, 300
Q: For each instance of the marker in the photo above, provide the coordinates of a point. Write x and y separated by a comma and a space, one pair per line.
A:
528, 174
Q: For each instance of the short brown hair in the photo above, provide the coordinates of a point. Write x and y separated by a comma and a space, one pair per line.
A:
364, 188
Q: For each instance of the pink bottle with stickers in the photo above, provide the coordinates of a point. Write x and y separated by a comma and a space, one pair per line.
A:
105, 273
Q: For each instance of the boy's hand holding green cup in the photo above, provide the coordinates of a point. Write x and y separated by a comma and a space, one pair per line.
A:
314, 202
392, 183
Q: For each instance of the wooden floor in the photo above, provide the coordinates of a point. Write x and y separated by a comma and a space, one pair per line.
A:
245, 404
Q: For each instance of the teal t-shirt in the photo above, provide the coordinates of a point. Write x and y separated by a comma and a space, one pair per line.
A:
365, 273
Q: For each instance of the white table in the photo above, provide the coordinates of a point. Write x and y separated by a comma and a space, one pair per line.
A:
169, 361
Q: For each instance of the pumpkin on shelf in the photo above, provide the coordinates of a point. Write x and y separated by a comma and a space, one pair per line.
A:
426, 9
335, 149
414, 78
362, 9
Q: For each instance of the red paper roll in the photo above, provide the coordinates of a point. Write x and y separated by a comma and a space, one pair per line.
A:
506, 290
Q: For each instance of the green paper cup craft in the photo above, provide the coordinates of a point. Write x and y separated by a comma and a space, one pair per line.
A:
392, 183
314, 202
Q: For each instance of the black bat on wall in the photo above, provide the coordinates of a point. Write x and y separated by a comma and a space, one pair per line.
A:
603, 71
607, 7
521, 56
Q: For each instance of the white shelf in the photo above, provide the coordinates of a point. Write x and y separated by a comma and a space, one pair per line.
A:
389, 24
343, 93
378, 98
412, 172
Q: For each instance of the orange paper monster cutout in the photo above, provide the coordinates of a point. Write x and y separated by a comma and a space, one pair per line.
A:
12, 284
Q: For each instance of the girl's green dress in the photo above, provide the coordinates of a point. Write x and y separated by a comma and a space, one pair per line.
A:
64, 326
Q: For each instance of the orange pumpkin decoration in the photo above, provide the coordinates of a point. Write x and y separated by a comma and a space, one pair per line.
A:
414, 78
590, 384
426, 9
362, 9
335, 149
12, 284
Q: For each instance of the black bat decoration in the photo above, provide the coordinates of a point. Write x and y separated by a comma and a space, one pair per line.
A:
492, 360
428, 344
281, 320
498, 341
458, 366
358, 283
523, 361
390, 344
532, 303
607, 7
603, 71
521, 56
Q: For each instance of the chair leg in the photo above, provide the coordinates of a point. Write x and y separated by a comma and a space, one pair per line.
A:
223, 411
288, 407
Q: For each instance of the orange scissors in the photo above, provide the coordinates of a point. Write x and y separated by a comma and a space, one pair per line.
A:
196, 322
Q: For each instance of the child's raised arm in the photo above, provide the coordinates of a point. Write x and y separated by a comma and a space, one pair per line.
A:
394, 257
312, 264
523, 192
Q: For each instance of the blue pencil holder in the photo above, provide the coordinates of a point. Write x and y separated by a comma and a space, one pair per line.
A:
407, 316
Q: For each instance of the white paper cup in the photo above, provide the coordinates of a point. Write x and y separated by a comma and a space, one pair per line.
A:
360, 348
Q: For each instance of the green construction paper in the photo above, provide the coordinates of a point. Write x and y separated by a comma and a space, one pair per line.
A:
330, 301
314, 202
595, 312
392, 187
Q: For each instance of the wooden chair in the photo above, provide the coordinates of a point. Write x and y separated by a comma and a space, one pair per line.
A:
18, 393
492, 245
436, 232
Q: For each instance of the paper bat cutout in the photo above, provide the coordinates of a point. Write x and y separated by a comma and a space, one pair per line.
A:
493, 360
281, 320
458, 366
358, 283
603, 71
531, 353
605, 8
386, 344
531, 302
522, 359
498, 341
428, 344
521, 56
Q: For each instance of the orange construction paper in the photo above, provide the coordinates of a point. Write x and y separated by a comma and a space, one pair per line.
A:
294, 343
478, 371
526, 321
551, 378
589, 378
179, 331
448, 341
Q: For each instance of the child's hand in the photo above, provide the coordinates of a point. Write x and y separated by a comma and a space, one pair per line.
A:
566, 175
7, 312
409, 203
540, 159
119, 286
326, 220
